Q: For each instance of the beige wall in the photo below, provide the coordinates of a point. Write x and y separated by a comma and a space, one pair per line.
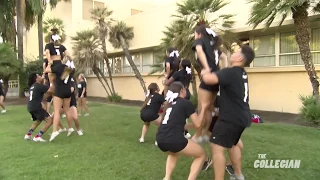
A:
270, 89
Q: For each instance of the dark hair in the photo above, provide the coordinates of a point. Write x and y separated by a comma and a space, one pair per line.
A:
55, 31
32, 79
153, 87
248, 54
175, 87
187, 77
174, 59
215, 42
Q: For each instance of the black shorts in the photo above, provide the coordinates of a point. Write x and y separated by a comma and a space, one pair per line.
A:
173, 147
49, 99
211, 88
226, 134
148, 115
39, 115
62, 93
1, 93
56, 62
213, 122
73, 101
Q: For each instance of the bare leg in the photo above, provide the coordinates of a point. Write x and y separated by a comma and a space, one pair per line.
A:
219, 161
1, 103
144, 131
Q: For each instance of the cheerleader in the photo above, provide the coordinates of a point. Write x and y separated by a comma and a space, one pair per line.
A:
2, 97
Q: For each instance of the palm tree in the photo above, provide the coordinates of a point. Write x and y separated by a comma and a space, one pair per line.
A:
267, 11
38, 8
9, 64
7, 21
180, 33
53, 23
103, 22
88, 53
119, 36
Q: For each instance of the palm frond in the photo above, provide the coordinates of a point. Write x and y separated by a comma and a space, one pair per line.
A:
54, 23
120, 28
9, 64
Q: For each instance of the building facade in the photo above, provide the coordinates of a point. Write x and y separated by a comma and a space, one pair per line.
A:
277, 76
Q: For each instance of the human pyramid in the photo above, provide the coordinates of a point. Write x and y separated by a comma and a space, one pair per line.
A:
56, 85
220, 120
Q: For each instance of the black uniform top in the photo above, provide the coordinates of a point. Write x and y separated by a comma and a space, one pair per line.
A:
173, 66
155, 102
172, 128
234, 96
1, 89
58, 70
36, 93
73, 85
55, 50
211, 54
81, 87
181, 77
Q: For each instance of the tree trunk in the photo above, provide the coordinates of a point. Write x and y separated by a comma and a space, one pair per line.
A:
99, 78
132, 64
300, 17
104, 78
20, 8
40, 36
105, 53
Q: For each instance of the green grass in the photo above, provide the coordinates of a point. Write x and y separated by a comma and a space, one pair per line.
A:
109, 150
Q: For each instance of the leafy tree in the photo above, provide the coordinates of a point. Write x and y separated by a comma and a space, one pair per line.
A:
266, 11
88, 53
119, 36
101, 16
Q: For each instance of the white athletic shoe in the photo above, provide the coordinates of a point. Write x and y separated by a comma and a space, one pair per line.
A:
141, 140
86, 114
27, 137
63, 116
62, 130
80, 132
3, 111
70, 131
205, 139
156, 143
54, 135
188, 136
38, 139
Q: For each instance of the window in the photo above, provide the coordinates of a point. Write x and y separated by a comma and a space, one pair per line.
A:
289, 50
135, 11
136, 59
264, 47
117, 64
87, 7
315, 45
147, 61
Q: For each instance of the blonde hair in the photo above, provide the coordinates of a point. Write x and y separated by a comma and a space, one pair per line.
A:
83, 77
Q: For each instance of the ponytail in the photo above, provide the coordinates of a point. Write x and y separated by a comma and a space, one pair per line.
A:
174, 55
186, 65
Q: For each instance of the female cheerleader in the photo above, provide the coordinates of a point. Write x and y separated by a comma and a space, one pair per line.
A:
54, 54
82, 94
150, 109
2, 98
207, 45
184, 76
73, 112
170, 133
62, 94
36, 92
171, 65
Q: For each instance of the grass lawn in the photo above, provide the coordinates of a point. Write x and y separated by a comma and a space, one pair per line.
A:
109, 150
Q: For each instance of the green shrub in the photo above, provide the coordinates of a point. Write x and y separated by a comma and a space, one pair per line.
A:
115, 98
310, 110
30, 67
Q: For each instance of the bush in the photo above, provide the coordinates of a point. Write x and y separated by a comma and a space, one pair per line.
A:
310, 110
115, 98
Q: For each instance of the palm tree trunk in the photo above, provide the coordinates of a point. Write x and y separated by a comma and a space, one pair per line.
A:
104, 78
100, 80
20, 8
103, 36
300, 17
132, 64
40, 36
